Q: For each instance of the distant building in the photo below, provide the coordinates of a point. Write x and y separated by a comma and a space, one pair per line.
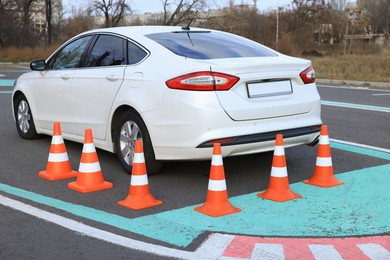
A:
359, 20
338, 4
358, 28
134, 19
38, 21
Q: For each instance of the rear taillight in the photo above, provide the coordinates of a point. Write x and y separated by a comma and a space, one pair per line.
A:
308, 75
203, 81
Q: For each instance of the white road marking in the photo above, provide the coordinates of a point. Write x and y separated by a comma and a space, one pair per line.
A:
375, 251
355, 106
325, 252
214, 246
211, 249
361, 145
268, 251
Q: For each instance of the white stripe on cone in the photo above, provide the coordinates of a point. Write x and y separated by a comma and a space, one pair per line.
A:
217, 185
89, 167
89, 148
57, 139
58, 157
139, 180
278, 172
139, 158
324, 161
216, 160
324, 139
279, 150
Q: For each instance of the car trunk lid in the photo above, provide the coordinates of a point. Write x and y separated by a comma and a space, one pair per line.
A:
269, 87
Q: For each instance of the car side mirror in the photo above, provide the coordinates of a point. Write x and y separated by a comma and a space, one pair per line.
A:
38, 65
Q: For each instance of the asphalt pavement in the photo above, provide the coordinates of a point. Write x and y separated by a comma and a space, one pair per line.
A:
44, 219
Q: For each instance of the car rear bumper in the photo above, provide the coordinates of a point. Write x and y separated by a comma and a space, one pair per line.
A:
205, 153
183, 130
263, 137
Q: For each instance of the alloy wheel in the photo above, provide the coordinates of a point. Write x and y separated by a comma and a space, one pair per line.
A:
23, 116
129, 133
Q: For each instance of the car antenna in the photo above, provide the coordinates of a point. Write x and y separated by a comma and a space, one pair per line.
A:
187, 28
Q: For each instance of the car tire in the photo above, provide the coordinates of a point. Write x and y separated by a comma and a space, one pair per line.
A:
24, 119
131, 127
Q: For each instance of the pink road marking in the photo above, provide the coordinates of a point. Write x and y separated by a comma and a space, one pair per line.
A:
242, 246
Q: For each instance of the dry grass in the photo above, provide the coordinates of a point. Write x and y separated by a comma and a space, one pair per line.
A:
14, 54
368, 67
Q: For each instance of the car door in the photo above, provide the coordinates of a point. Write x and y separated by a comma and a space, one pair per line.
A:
95, 85
52, 89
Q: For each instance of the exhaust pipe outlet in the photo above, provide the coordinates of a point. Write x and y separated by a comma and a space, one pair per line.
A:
315, 142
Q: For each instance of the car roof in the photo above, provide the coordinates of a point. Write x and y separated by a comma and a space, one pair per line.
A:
143, 30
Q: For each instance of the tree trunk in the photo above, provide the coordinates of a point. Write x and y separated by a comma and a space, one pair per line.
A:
49, 21
26, 22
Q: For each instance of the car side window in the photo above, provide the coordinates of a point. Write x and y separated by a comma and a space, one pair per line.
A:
69, 56
107, 51
135, 53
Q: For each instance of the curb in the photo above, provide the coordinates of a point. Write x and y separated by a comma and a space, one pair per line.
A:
13, 63
353, 83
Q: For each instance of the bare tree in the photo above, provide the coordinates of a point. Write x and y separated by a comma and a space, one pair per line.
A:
379, 10
6, 23
25, 10
49, 13
80, 21
305, 17
113, 10
53, 11
180, 11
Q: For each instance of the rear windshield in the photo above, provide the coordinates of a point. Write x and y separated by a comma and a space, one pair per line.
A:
210, 45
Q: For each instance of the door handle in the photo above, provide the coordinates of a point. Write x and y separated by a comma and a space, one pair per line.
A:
112, 77
65, 76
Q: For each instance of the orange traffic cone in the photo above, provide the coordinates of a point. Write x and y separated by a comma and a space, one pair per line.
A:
58, 166
278, 189
89, 176
323, 173
139, 196
217, 203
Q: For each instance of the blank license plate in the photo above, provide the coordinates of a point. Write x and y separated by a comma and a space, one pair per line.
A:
272, 88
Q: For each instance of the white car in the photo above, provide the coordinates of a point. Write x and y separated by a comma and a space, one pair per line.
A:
179, 89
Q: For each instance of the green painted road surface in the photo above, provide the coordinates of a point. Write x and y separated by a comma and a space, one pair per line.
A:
6, 82
359, 207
